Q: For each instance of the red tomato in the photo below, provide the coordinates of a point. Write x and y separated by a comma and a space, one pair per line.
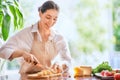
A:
102, 72
108, 73
117, 76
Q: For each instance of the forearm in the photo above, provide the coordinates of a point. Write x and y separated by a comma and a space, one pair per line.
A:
16, 54
27, 56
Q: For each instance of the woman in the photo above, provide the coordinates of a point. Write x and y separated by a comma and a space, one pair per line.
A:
39, 43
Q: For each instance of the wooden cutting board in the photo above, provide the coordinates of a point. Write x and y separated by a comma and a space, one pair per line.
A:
36, 76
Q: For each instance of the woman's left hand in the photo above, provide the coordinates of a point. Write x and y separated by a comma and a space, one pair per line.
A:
57, 68
60, 68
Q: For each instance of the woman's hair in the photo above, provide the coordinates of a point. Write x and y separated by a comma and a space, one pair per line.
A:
48, 5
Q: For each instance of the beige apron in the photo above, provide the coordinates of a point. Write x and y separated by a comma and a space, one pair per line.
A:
45, 53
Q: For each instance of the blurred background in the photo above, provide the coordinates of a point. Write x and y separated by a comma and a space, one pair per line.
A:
91, 27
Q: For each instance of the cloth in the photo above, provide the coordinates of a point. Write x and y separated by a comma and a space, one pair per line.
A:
40, 52
29, 39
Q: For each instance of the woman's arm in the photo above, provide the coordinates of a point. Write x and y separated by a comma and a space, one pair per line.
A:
27, 56
16, 54
63, 58
18, 46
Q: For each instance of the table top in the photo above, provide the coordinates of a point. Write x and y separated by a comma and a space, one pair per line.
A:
71, 78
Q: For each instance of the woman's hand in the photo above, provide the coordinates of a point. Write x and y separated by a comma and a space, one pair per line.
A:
30, 58
60, 68
64, 69
57, 68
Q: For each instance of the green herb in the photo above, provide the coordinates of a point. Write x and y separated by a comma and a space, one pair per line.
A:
102, 66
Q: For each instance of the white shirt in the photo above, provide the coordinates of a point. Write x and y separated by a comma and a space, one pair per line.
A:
23, 40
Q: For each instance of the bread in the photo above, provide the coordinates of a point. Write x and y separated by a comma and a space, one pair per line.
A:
44, 74
87, 70
36, 76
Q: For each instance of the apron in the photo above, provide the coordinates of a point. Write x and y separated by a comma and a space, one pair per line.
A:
45, 53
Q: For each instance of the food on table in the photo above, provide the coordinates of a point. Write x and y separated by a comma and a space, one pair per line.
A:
106, 70
117, 76
82, 71
44, 74
87, 70
78, 72
107, 73
113, 73
102, 66
102, 72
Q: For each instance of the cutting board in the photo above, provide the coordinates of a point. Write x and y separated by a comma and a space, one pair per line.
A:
36, 76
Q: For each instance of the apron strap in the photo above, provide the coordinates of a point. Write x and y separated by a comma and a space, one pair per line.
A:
35, 36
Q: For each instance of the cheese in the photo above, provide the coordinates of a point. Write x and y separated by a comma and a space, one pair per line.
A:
78, 72
87, 70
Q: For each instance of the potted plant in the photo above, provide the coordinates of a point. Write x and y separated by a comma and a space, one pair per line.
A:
11, 19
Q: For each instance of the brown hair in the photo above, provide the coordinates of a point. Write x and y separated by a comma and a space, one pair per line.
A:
48, 5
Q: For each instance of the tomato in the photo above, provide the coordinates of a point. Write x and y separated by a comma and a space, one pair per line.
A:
102, 72
106, 73
117, 76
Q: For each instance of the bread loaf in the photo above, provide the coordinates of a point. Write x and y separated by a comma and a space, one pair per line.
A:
87, 70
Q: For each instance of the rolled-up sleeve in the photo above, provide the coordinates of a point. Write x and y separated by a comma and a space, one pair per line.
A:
20, 41
8, 48
63, 51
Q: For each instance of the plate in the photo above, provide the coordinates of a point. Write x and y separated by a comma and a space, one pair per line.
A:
104, 77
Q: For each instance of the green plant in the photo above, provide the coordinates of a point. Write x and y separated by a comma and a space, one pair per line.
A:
116, 24
10, 14
11, 18
103, 66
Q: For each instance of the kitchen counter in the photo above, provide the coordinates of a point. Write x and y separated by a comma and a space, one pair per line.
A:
14, 75
66, 78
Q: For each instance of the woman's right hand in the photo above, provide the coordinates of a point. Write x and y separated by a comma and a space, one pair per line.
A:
31, 64
30, 58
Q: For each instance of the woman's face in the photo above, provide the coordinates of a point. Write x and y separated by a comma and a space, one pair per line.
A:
49, 18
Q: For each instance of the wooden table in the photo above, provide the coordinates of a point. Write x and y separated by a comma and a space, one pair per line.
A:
66, 78
76, 78
86, 78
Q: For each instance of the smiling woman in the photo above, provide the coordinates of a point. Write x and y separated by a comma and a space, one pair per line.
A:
39, 44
